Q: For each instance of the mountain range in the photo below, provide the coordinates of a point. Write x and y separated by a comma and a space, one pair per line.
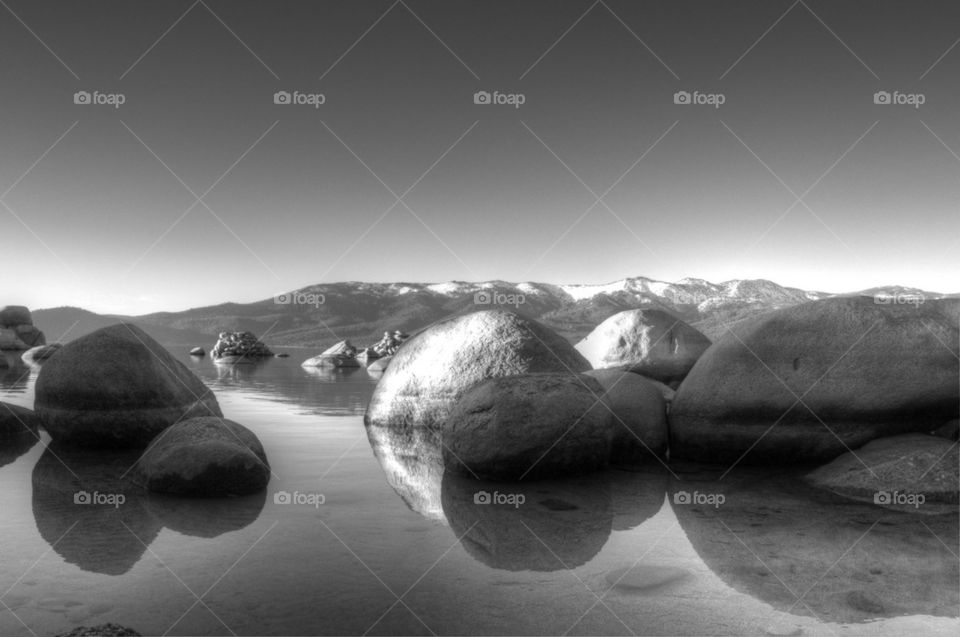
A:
320, 315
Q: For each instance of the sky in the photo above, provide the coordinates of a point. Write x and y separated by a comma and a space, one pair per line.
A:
187, 185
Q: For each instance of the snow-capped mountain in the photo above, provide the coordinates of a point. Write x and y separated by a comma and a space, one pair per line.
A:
322, 314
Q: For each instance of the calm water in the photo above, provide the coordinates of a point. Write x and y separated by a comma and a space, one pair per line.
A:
397, 548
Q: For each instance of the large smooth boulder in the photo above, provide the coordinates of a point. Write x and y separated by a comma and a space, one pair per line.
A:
895, 470
432, 370
528, 427
812, 381
651, 342
639, 415
117, 387
14, 315
204, 457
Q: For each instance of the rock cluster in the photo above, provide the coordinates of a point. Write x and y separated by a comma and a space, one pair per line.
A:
389, 344
343, 354
17, 331
239, 344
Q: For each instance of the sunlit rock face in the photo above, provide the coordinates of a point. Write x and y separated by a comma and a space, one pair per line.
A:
435, 367
651, 342
863, 370
810, 552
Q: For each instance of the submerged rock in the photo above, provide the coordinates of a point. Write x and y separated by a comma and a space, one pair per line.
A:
432, 370
864, 370
888, 469
198, 351
645, 577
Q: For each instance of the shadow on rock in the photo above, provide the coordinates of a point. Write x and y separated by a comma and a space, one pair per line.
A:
536, 526
412, 460
776, 539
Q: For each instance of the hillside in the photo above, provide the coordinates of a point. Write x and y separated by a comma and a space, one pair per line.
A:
320, 315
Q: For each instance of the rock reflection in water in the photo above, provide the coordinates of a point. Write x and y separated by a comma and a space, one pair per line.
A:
558, 524
412, 460
15, 374
776, 539
99, 521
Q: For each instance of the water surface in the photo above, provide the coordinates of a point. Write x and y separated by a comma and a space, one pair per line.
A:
396, 547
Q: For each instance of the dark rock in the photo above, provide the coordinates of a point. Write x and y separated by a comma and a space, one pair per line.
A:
431, 370
117, 387
528, 427
950, 431
651, 342
864, 370
15, 315
204, 457
639, 415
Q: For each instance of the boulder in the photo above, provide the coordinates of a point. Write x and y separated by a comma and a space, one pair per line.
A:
433, 368
9, 339
343, 354
528, 427
232, 346
863, 370
40, 353
198, 351
15, 315
639, 415
888, 470
30, 336
651, 342
117, 387
204, 457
